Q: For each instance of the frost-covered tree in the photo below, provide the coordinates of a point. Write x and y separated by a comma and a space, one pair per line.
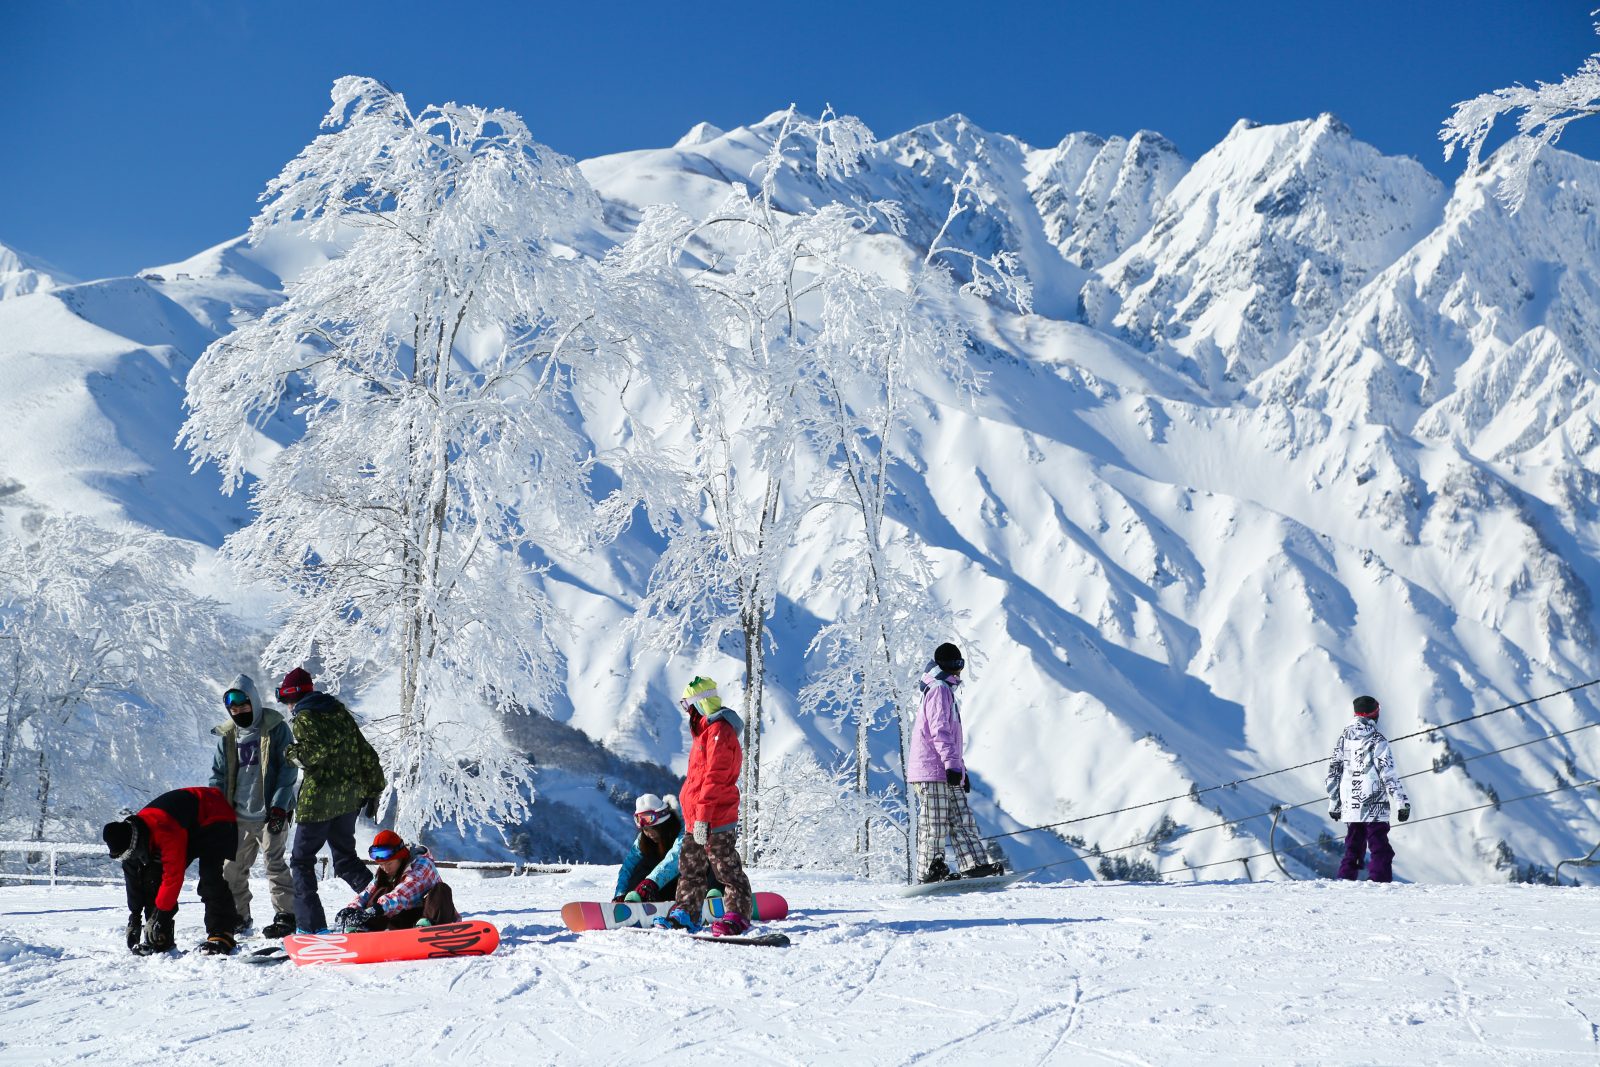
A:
876, 338
108, 666
434, 365
793, 398
811, 819
1546, 111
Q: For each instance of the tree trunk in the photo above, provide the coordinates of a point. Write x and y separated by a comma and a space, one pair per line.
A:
755, 668
864, 837
911, 806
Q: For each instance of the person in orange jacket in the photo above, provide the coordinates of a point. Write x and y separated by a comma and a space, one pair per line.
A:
156, 845
710, 803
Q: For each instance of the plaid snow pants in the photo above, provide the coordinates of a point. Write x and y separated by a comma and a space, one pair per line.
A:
942, 813
695, 864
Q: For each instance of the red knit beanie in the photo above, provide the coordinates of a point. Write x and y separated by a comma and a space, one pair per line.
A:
295, 684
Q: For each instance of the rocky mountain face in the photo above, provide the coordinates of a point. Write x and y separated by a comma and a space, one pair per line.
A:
1290, 423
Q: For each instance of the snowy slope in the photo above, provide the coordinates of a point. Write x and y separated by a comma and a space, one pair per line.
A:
1214, 973
1184, 530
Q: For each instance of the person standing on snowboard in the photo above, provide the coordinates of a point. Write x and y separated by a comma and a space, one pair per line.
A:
710, 805
937, 771
257, 778
156, 845
1361, 784
407, 891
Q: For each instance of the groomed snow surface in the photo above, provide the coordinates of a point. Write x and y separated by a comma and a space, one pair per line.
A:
1218, 972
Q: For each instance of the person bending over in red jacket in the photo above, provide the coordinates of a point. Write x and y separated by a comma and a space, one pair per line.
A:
710, 803
156, 846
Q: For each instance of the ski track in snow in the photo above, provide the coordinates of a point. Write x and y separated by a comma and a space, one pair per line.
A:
1094, 973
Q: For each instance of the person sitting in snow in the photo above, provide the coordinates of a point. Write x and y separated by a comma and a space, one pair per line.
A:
710, 806
407, 891
1362, 782
254, 774
937, 771
156, 844
650, 869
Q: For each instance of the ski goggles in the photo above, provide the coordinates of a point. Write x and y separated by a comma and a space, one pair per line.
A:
233, 698
651, 818
384, 852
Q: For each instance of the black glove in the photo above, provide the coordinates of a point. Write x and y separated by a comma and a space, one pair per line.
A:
135, 930
347, 916
369, 808
158, 931
966, 784
277, 819
1335, 814
952, 777
1405, 813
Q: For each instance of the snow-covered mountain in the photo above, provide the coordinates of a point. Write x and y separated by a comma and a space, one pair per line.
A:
1259, 244
21, 273
1289, 424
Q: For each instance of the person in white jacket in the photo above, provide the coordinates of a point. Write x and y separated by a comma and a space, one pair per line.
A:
1361, 785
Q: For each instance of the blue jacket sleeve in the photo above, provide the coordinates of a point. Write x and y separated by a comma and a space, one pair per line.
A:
667, 869
282, 775
219, 767
626, 879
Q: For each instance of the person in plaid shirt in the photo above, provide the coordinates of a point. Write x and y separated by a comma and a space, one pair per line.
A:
407, 891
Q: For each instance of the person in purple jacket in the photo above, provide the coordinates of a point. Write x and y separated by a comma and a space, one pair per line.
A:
938, 773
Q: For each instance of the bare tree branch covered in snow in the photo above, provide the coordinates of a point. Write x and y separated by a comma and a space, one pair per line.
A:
1547, 109
434, 365
812, 819
105, 662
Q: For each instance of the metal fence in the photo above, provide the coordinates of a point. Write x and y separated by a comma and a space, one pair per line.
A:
56, 849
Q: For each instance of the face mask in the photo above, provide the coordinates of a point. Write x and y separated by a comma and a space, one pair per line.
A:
243, 718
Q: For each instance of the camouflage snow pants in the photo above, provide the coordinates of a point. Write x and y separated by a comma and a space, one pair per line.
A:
696, 862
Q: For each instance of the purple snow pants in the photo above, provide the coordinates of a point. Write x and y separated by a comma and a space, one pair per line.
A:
1357, 839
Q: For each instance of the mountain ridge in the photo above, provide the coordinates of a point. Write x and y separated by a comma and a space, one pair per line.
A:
1234, 505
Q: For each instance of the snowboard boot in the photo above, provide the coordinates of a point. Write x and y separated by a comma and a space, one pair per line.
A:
244, 928
983, 870
218, 944
938, 871
676, 919
281, 926
732, 924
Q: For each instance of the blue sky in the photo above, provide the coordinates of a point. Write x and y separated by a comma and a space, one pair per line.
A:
140, 133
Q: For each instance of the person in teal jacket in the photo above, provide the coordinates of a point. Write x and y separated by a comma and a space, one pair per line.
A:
650, 869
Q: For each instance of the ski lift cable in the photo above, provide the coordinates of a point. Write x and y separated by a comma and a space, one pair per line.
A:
1162, 838
1298, 766
1427, 818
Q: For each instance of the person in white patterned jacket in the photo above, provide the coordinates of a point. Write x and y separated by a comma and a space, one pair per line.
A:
1361, 785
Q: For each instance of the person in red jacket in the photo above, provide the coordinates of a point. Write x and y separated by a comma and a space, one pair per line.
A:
156, 846
710, 804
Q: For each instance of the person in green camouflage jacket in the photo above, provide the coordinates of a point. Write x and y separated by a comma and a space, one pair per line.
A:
340, 776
